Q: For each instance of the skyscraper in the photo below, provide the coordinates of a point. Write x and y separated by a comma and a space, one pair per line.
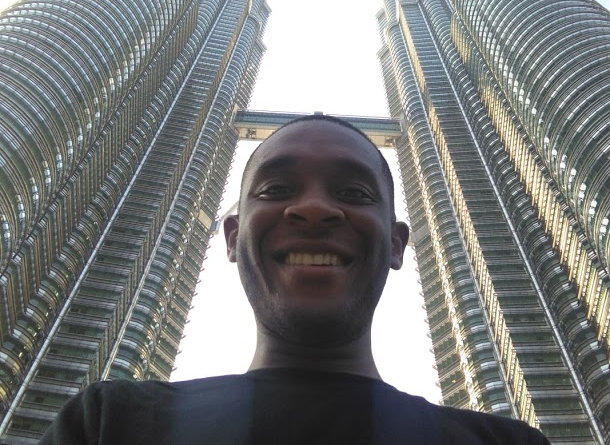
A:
505, 107
115, 144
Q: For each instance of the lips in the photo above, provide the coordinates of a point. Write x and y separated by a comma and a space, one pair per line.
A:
309, 259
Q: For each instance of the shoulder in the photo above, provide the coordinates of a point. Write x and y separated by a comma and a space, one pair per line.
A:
424, 422
121, 410
152, 391
487, 428
460, 426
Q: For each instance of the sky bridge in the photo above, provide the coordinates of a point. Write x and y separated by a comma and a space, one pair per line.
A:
258, 125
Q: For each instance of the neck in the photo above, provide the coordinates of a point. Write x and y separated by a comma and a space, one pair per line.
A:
354, 357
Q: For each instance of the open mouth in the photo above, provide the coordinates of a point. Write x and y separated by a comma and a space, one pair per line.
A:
313, 259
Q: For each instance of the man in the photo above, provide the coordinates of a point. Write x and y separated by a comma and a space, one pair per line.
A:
314, 241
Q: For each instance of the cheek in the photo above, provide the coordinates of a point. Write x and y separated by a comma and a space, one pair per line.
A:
249, 270
373, 229
257, 225
381, 237
251, 238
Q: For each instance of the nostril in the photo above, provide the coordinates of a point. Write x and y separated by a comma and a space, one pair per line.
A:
294, 216
314, 212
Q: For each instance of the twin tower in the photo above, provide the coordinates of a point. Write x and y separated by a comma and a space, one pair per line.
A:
118, 124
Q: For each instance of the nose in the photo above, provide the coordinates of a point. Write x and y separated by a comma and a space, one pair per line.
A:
316, 209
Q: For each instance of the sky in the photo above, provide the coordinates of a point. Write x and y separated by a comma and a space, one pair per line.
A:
321, 56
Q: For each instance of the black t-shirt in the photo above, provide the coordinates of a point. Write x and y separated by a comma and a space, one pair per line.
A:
272, 406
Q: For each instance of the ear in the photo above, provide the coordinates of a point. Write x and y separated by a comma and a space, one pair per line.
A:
400, 238
231, 228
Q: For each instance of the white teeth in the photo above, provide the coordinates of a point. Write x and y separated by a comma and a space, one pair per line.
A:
309, 259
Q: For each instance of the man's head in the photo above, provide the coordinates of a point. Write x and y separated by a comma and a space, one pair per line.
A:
316, 233
387, 174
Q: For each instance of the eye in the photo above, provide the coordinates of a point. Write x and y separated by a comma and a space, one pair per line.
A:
274, 191
356, 194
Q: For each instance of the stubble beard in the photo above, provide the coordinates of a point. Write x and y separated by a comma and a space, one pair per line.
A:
325, 327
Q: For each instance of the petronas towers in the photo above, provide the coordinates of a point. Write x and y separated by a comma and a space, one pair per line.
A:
117, 134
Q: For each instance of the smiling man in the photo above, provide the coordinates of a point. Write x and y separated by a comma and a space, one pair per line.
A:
314, 241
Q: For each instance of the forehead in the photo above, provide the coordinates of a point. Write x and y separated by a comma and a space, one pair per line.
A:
316, 142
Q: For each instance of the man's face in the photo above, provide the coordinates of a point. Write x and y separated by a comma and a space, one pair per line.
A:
315, 238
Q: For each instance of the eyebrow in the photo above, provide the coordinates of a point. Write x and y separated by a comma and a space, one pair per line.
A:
287, 161
278, 163
361, 169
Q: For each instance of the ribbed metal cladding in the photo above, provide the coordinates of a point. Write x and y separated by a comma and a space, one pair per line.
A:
539, 278
443, 264
115, 144
557, 62
557, 84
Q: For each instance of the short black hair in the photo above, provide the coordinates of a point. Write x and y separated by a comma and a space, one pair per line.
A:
385, 169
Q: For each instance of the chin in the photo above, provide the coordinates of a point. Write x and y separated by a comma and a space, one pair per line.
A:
318, 328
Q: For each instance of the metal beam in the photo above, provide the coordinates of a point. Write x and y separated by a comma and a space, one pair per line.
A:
258, 126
